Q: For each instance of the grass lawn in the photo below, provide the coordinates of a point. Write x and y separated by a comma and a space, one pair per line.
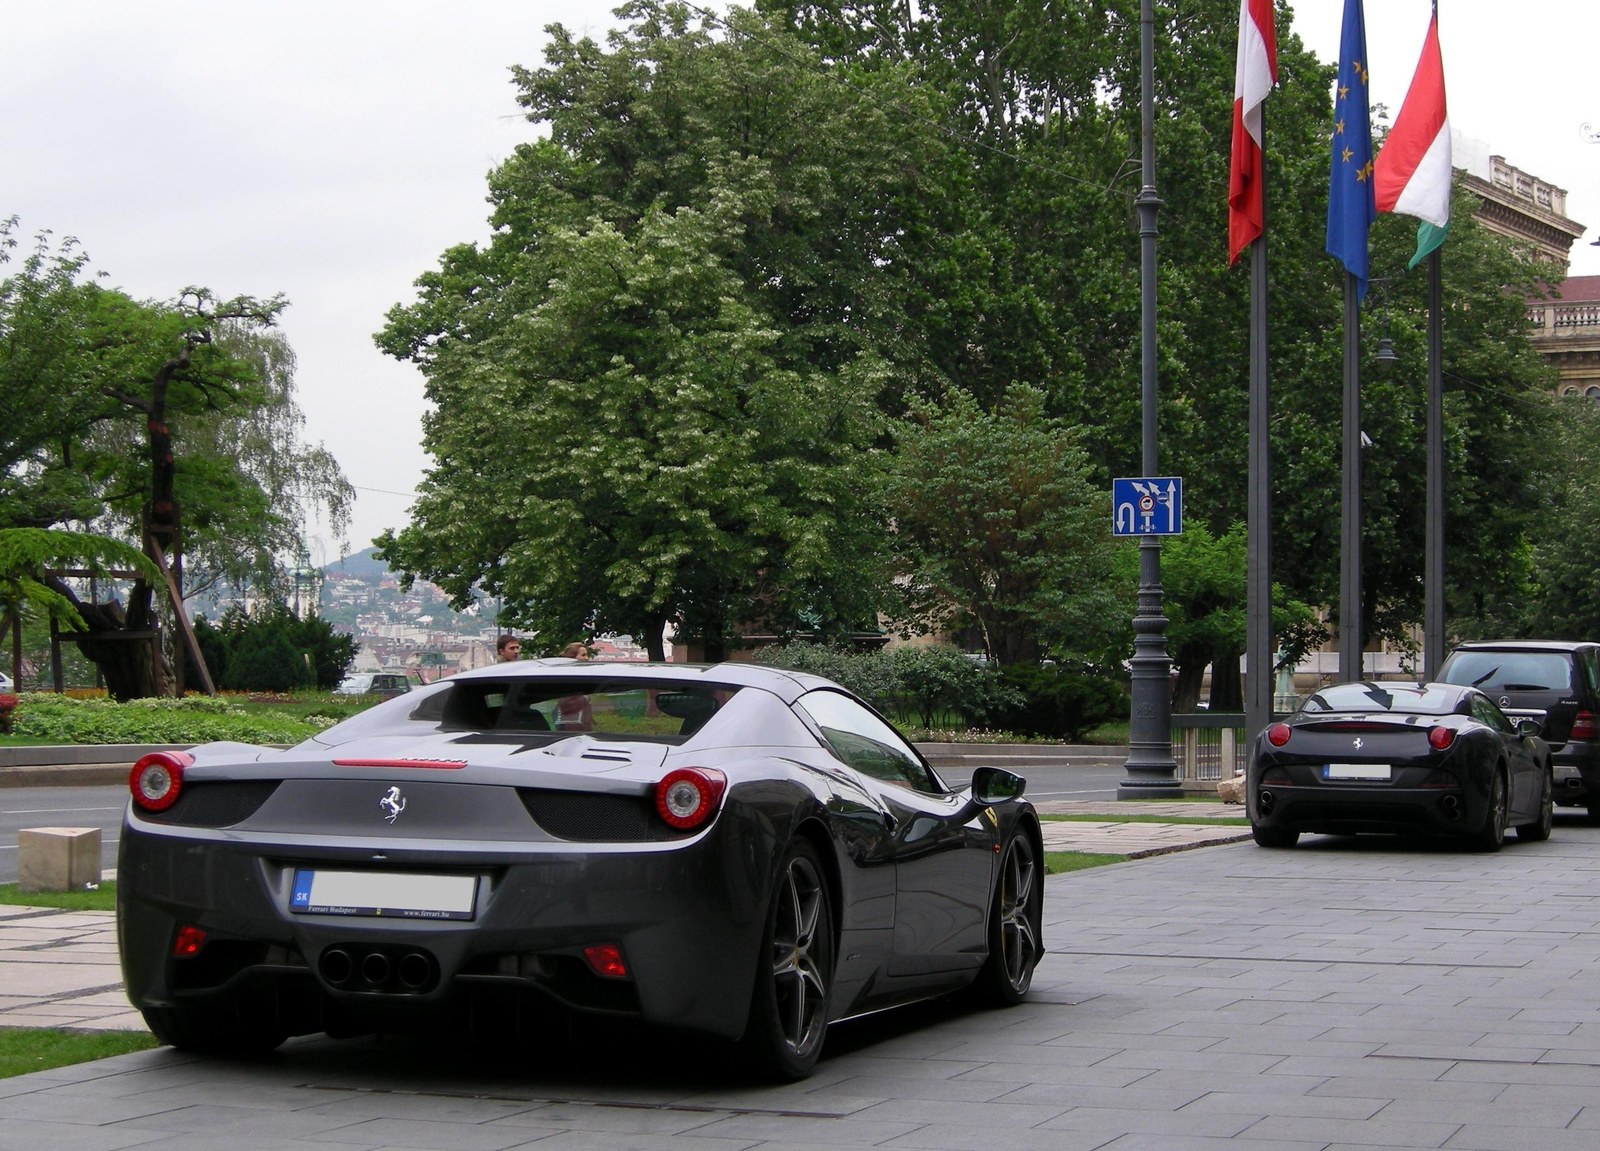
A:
25, 1049
22, 741
103, 898
1057, 862
1207, 821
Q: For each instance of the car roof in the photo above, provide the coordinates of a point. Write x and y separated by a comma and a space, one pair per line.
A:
1553, 645
788, 685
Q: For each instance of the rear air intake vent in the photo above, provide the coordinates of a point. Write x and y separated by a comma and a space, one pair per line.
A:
609, 754
215, 803
591, 817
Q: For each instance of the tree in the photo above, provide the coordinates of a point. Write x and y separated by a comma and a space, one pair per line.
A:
646, 458
998, 519
173, 424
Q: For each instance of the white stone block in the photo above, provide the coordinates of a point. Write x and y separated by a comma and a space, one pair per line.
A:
57, 858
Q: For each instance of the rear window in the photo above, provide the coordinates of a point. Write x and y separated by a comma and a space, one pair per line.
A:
1402, 699
1510, 670
615, 709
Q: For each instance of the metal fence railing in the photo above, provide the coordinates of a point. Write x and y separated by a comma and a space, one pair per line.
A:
1209, 747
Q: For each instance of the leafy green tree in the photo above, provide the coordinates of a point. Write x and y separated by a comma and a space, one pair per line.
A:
999, 521
173, 424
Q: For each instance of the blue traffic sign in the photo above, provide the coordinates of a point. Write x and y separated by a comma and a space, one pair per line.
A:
1147, 507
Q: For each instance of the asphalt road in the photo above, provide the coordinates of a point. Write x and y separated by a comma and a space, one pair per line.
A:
59, 807
102, 806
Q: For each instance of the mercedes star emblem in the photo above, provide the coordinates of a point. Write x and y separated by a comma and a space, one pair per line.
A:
1505, 701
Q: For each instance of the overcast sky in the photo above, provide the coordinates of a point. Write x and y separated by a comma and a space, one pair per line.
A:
331, 151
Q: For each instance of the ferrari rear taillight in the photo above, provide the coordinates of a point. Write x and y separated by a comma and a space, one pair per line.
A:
1278, 734
1440, 738
1585, 726
605, 959
188, 942
688, 797
157, 778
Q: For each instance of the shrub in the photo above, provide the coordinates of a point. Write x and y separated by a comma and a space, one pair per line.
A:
941, 679
273, 650
195, 719
869, 674
1061, 704
8, 704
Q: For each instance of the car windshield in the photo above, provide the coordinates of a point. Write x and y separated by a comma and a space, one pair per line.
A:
1510, 670
1404, 699
616, 709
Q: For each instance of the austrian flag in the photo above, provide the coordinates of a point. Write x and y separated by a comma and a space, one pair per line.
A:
1255, 72
1413, 170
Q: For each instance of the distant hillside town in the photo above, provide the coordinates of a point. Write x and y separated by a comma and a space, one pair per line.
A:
415, 631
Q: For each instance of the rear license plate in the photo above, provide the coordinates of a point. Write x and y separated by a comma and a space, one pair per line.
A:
398, 895
1356, 771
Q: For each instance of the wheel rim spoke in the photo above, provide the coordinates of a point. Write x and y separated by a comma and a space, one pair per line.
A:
798, 980
1018, 936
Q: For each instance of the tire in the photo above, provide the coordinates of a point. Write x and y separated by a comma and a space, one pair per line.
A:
1539, 830
1273, 836
1016, 926
212, 1032
794, 980
1492, 834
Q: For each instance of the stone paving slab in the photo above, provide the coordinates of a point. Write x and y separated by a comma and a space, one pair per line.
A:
1135, 840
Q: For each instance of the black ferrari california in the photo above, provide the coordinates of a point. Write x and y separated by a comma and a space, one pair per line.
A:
1432, 758
733, 850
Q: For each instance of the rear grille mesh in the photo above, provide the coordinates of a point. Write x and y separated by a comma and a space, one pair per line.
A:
217, 803
593, 817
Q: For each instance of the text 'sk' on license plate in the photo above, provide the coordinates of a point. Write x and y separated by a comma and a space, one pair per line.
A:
383, 893
1355, 771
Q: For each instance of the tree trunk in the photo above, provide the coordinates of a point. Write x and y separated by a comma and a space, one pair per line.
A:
128, 665
1186, 692
653, 641
1227, 690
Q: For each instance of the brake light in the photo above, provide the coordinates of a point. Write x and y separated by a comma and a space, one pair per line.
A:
1440, 738
1584, 726
1278, 734
188, 942
687, 797
157, 778
425, 764
606, 960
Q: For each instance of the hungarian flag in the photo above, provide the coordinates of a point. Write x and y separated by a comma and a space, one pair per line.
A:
1413, 169
1255, 72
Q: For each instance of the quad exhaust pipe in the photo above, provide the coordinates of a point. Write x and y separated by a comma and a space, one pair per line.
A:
383, 969
1451, 806
1265, 800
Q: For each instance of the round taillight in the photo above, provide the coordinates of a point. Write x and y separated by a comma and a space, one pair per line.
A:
157, 778
687, 797
1440, 738
1278, 734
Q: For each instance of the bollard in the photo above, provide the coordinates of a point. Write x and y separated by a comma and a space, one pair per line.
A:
57, 858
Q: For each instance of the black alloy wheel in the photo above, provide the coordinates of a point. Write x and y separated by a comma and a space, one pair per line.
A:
1493, 832
1273, 836
789, 1009
1539, 830
1016, 922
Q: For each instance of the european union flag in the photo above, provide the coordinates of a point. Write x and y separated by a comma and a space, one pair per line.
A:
1350, 204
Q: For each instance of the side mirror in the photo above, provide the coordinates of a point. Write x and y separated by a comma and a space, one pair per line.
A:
1527, 727
992, 785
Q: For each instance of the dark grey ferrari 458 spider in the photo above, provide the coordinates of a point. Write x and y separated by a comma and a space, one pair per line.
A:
733, 850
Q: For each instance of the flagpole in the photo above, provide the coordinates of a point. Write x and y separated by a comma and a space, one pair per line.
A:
1258, 546
1151, 770
1433, 575
1350, 632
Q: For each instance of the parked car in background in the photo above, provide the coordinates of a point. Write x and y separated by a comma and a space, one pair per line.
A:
384, 683
5, 683
1426, 758
1554, 682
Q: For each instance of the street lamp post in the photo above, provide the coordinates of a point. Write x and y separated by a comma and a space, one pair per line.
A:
1151, 770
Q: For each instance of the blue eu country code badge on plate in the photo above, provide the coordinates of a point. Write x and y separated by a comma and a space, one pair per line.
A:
1147, 506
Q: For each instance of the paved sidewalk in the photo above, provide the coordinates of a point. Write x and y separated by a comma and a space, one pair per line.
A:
1348, 994
59, 969
1138, 840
